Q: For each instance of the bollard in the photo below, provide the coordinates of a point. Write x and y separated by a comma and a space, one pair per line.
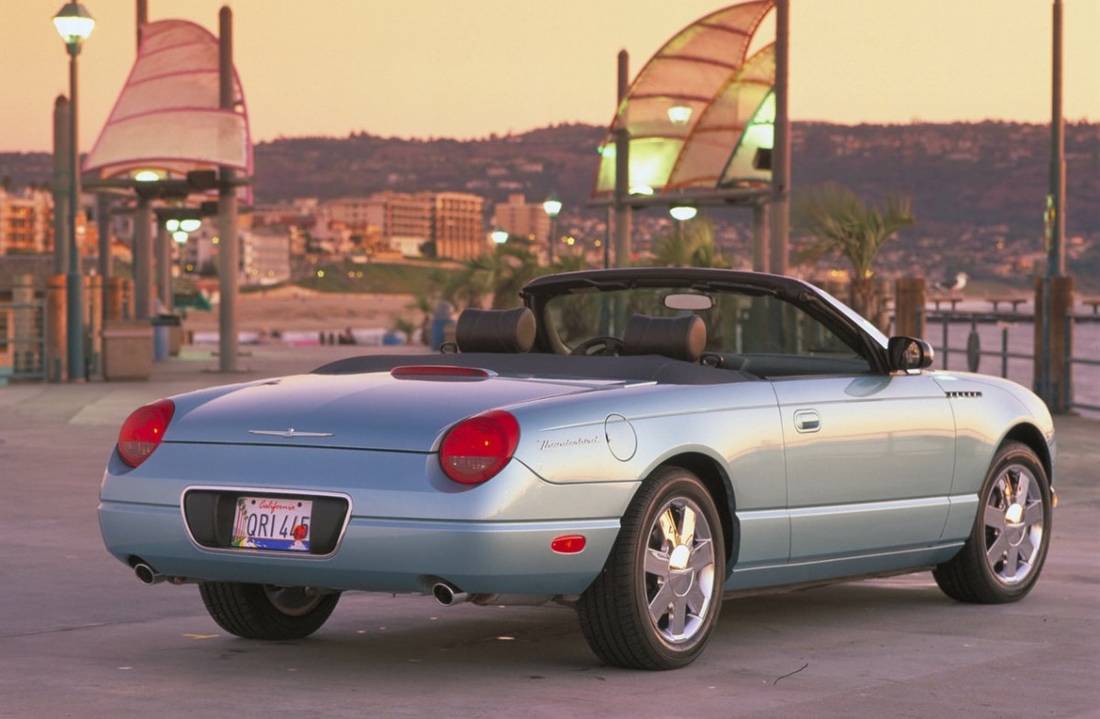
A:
909, 301
1051, 379
56, 369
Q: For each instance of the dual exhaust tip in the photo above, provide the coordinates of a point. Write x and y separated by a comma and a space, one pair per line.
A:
146, 574
448, 595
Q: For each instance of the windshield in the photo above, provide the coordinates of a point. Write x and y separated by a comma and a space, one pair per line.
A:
740, 325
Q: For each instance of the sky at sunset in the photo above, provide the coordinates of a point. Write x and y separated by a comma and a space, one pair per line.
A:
419, 68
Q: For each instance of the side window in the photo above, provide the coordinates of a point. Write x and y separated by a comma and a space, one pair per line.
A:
777, 338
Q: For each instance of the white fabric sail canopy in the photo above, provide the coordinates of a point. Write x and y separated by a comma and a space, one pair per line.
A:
168, 116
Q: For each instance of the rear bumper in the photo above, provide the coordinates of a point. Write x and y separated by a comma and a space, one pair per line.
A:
375, 554
409, 525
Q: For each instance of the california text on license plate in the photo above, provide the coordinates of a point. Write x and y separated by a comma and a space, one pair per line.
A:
272, 523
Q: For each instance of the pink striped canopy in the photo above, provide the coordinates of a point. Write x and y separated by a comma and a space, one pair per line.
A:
167, 117
690, 109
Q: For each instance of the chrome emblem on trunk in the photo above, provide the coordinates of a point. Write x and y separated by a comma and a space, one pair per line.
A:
290, 433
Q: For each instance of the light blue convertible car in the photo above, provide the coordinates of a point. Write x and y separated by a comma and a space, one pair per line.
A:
637, 443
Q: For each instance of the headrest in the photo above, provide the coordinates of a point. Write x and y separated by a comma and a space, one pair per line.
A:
495, 330
682, 338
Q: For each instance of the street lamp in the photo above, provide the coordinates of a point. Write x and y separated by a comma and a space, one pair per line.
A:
679, 114
499, 236
74, 24
551, 207
682, 213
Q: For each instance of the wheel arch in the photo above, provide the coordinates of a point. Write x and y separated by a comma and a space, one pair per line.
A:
1028, 434
714, 476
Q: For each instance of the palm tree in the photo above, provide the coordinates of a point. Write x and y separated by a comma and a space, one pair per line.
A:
688, 245
499, 274
840, 223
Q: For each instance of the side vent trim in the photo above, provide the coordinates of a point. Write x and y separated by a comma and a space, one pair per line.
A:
960, 394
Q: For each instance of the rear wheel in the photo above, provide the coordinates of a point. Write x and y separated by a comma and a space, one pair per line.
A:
656, 602
264, 611
1001, 560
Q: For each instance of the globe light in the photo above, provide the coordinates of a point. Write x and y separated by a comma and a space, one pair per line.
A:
172, 224
552, 206
146, 175
499, 236
179, 236
679, 114
683, 213
190, 224
641, 190
74, 23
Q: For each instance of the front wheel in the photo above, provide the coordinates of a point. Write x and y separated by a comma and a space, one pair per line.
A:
1001, 560
264, 611
656, 602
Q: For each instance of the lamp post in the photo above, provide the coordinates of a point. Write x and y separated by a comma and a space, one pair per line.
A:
552, 207
75, 24
499, 236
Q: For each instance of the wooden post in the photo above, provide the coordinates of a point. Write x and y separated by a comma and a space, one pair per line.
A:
909, 318
56, 370
1061, 341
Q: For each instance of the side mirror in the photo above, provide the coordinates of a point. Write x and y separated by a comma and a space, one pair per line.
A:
908, 353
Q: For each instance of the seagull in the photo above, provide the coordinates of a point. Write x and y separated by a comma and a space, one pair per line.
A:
957, 285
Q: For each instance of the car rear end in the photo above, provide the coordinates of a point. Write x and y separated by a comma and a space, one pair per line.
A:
374, 482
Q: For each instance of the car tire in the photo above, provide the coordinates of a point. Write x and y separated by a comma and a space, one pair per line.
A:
1008, 544
259, 611
614, 611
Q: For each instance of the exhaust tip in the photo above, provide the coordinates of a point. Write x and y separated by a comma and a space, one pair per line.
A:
443, 594
145, 573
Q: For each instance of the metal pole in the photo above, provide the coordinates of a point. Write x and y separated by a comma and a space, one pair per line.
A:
103, 231
61, 162
760, 237
551, 239
164, 267
142, 249
1056, 260
622, 168
227, 210
781, 153
74, 307
142, 17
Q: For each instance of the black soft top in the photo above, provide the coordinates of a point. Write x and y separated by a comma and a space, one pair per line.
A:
641, 368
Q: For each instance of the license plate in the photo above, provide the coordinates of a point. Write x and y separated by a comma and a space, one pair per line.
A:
272, 523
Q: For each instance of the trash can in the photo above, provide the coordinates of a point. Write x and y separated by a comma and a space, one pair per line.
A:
127, 350
164, 327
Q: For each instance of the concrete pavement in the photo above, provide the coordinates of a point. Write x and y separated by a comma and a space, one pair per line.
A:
79, 636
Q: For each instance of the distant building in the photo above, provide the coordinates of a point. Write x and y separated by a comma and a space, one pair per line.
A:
458, 225
26, 222
523, 219
265, 257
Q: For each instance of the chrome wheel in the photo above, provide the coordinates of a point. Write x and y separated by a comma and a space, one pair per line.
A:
293, 601
678, 576
1013, 524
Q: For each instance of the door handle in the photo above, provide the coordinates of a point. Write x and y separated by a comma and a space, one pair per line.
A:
807, 420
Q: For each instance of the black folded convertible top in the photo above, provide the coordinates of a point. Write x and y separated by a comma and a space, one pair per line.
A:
641, 368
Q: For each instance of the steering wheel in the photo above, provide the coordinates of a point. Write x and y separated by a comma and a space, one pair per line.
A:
596, 346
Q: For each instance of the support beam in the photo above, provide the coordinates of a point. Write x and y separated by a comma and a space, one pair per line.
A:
141, 16
143, 260
164, 267
760, 237
229, 248
61, 154
622, 169
781, 153
103, 231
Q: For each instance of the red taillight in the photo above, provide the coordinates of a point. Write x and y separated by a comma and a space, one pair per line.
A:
432, 371
568, 544
477, 448
143, 431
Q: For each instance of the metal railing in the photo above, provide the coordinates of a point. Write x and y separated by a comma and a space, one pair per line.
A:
24, 350
973, 352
